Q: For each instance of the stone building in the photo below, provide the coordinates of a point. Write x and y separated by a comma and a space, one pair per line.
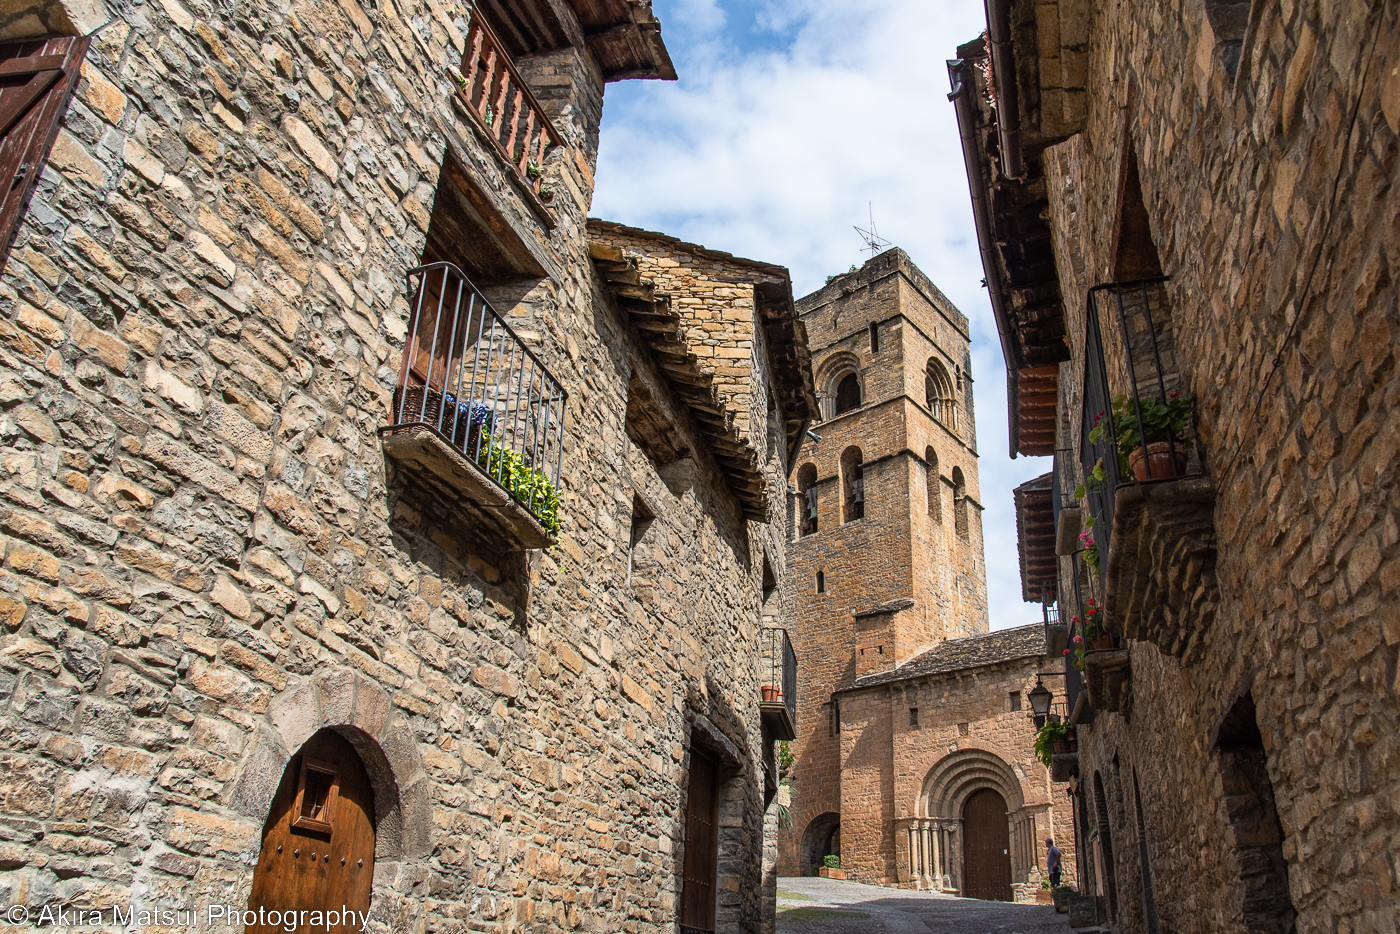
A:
1190, 233
361, 500
913, 761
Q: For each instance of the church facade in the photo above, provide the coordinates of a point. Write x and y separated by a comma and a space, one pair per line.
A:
913, 763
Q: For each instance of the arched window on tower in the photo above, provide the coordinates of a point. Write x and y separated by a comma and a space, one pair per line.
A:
807, 504
939, 394
934, 485
959, 503
852, 485
848, 393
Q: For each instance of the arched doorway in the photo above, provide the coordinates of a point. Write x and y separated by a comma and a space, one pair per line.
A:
821, 839
317, 844
986, 847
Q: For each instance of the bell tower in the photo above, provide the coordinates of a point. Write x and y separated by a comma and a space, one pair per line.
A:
888, 558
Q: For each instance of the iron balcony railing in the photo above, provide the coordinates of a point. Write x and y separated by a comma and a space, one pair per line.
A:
496, 93
470, 378
778, 671
1137, 364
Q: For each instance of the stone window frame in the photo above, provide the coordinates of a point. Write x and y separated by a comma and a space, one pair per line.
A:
833, 371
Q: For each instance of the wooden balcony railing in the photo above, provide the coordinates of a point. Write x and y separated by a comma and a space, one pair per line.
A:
501, 101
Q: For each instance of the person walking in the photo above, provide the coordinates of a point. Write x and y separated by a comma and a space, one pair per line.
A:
1052, 862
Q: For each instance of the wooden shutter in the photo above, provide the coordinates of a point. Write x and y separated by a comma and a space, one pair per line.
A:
697, 914
36, 79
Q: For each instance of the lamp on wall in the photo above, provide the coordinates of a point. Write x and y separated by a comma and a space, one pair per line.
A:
1040, 698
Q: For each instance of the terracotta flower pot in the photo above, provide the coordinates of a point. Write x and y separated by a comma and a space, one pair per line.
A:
1066, 745
1044, 897
1103, 642
772, 694
1160, 462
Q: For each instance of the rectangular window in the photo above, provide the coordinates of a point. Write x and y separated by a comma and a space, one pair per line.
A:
1015, 700
821, 582
874, 337
317, 790
914, 717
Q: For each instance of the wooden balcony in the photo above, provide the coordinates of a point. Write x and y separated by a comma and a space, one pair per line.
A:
505, 110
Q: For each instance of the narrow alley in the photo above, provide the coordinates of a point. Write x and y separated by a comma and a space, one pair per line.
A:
826, 906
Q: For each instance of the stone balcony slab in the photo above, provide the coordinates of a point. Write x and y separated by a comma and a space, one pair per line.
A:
440, 478
1160, 584
1109, 675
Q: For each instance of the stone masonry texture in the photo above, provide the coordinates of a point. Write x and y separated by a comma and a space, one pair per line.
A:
1266, 146
206, 556
905, 702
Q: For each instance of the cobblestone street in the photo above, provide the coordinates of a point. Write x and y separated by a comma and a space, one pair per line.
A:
825, 906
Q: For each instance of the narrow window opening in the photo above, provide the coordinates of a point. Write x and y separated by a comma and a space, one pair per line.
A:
939, 394
933, 484
914, 717
853, 485
316, 796
960, 522
1229, 21
963, 729
642, 518
848, 393
770, 592
1015, 699
874, 337
821, 582
807, 490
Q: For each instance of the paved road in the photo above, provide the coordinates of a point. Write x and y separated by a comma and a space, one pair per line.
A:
825, 906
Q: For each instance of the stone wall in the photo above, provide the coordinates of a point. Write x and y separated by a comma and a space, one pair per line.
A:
207, 557
1269, 203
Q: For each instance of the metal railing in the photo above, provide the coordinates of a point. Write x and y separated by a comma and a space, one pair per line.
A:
1138, 364
495, 91
470, 378
779, 668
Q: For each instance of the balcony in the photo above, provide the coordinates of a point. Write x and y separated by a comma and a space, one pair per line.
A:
477, 423
506, 111
1151, 504
778, 677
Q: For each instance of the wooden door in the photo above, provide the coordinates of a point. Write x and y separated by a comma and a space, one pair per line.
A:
986, 847
36, 80
318, 843
701, 845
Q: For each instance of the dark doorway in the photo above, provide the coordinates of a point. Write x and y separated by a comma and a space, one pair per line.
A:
318, 842
701, 845
986, 847
821, 839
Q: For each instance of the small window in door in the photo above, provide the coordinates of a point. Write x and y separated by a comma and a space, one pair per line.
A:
316, 794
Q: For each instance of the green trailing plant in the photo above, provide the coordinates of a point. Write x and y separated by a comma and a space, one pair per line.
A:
533, 170
530, 487
1161, 421
1051, 733
1045, 885
785, 757
1094, 478
831, 862
784, 817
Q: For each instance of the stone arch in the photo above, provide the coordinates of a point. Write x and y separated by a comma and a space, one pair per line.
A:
939, 394
957, 775
838, 369
816, 842
360, 711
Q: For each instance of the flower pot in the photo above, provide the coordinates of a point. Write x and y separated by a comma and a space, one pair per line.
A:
1063, 746
772, 694
1162, 461
1044, 897
832, 873
1103, 642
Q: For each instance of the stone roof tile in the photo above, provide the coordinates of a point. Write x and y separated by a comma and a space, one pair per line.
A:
1003, 645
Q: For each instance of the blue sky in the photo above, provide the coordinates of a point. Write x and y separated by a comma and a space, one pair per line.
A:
789, 123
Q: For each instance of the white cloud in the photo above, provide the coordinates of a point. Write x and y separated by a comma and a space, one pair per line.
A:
788, 119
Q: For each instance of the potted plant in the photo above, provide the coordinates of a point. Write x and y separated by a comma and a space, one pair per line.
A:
772, 694
1094, 633
1054, 737
831, 868
1061, 894
1159, 451
1043, 895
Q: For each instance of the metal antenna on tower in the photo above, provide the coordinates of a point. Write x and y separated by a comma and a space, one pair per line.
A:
873, 241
